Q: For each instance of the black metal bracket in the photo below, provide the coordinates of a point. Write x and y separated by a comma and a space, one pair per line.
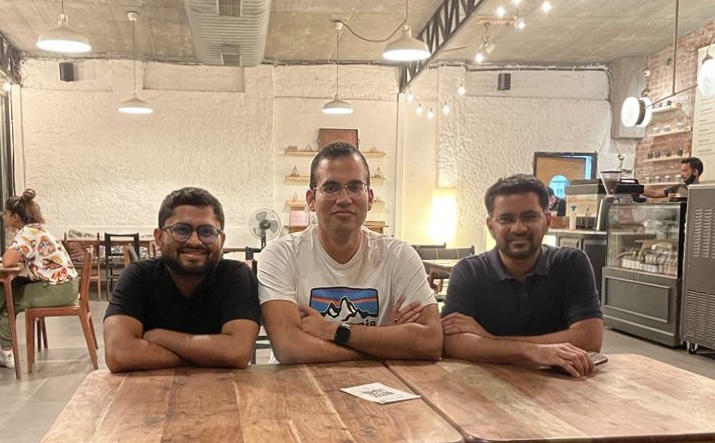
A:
10, 60
444, 24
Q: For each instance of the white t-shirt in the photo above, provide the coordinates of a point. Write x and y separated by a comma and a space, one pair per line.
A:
362, 291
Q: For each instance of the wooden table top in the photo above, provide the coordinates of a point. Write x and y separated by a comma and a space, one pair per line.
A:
301, 403
630, 398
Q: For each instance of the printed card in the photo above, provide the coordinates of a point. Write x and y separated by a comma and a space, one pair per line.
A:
379, 393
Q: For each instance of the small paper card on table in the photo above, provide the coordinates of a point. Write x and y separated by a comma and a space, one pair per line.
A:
379, 393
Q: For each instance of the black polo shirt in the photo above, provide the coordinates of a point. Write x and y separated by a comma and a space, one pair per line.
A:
146, 292
559, 291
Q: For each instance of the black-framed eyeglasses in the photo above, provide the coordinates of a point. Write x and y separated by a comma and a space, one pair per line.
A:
355, 188
182, 232
527, 218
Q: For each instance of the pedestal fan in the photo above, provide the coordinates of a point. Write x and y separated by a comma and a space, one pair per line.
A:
264, 224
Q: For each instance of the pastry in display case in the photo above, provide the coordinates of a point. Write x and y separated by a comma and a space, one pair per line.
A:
642, 277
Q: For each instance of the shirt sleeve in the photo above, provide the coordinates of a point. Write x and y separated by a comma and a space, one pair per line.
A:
277, 274
460, 292
409, 277
582, 300
128, 294
240, 300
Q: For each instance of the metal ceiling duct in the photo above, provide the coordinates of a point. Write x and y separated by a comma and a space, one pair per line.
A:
229, 32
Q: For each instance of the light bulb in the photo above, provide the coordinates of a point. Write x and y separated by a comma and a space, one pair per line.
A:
500, 12
546, 6
706, 77
520, 24
7, 86
419, 110
479, 57
461, 90
516, 2
446, 109
409, 97
430, 114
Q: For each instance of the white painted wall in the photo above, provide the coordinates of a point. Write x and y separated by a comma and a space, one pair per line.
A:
491, 134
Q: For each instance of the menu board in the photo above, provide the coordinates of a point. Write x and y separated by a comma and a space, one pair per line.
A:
704, 130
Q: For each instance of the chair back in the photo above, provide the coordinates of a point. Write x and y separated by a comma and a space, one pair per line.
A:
85, 280
250, 252
117, 240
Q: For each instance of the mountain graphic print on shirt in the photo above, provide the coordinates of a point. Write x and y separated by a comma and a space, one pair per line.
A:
349, 305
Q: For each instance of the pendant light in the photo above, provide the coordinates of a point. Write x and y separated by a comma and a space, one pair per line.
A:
406, 48
337, 106
63, 39
706, 75
134, 105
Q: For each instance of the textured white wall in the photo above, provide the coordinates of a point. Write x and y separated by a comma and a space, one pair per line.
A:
491, 134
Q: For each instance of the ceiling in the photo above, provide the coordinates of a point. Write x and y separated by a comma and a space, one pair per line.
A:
575, 32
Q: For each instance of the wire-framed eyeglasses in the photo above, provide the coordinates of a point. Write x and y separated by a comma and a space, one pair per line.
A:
527, 218
355, 188
182, 232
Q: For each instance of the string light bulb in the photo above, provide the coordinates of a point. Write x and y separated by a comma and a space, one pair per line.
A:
546, 6
519, 23
479, 57
409, 96
419, 110
461, 90
430, 114
516, 2
7, 86
500, 11
446, 109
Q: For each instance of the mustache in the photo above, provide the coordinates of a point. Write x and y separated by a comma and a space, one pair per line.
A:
519, 237
190, 249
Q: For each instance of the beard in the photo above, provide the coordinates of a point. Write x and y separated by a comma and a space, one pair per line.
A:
192, 269
522, 251
690, 180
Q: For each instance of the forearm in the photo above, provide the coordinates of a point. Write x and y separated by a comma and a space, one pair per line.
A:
300, 347
406, 341
215, 350
585, 339
139, 354
467, 346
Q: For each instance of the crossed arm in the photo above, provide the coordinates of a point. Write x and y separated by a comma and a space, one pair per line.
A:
129, 348
302, 335
466, 339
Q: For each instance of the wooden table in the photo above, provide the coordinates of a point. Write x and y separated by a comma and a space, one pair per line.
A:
7, 275
630, 398
275, 403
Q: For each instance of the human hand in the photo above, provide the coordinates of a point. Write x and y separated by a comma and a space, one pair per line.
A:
316, 325
570, 358
153, 335
408, 314
457, 323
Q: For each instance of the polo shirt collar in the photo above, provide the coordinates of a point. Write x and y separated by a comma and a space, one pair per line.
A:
541, 267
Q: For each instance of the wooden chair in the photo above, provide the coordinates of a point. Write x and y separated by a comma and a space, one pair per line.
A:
262, 341
36, 316
114, 256
75, 247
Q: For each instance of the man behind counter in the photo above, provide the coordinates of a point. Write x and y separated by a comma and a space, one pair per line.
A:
690, 171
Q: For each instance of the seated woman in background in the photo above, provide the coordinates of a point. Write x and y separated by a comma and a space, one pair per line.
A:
52, 279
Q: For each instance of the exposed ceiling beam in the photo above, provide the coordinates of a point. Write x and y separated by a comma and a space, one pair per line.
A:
446, 21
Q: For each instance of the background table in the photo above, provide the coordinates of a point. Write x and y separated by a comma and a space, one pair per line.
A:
261, 403
631, 398
6, 276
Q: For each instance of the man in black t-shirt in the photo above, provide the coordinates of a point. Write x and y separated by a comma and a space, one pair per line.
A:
522, 302
690, 171
189, 307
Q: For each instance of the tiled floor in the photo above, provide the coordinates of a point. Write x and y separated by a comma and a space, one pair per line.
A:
31, 405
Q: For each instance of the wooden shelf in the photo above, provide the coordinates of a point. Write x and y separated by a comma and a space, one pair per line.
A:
663, 159
660, 184
296, 204
304, 153
673, 132
675, 106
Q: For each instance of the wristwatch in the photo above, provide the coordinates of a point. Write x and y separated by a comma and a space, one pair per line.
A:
342, 334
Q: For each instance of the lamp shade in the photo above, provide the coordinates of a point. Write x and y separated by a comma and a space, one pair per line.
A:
63, 39
406, 48
706, 77
337, 106
135, 105
636, 111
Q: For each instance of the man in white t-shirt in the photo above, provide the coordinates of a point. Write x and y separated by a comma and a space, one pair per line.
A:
338, 291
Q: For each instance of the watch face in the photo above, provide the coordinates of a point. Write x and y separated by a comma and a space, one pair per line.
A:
342, 334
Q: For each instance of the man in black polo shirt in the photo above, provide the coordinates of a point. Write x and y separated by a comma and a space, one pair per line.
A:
188, 307
523, 302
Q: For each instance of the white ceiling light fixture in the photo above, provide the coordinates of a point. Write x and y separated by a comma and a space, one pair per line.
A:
546, 6
486, 47
461, 90
419, 110
430, 114
134, 105
63, 39
706, 75
446, 109
337, 106
516, 2
519, 23
409, 96
406, 48
500, 11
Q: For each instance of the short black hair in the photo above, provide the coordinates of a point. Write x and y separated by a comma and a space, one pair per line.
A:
337, 150
550, 191
516, 184
189, 196
694, 163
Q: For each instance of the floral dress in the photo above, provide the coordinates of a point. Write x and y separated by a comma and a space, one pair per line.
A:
45, 257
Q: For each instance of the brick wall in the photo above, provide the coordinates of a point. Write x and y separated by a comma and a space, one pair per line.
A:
660, 142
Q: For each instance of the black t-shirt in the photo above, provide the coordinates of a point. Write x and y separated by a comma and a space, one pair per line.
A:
146, 292
559, 291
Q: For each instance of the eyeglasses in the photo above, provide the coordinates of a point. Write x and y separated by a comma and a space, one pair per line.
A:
527, 218
332, 189
182, 232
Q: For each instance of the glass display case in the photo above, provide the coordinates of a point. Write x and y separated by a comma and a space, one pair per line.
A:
644, 264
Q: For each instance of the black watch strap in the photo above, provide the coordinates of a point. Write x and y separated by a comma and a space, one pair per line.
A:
342, 334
